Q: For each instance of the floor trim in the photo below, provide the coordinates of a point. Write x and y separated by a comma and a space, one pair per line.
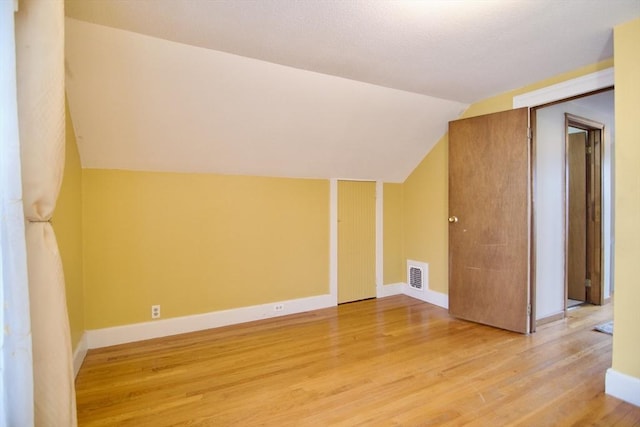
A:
551, 318
428, 295
105, 337
79, 354
390, 289
622, 386
434, 297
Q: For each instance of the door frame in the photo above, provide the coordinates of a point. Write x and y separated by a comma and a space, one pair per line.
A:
565, 222
560, 92
381, 290
594, 208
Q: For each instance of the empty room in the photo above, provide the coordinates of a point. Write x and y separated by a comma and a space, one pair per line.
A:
279, 212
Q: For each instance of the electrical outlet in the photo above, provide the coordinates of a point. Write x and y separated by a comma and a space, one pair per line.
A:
278, 307
155, 311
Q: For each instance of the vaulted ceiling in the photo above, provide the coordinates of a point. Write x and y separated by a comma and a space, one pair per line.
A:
343, 89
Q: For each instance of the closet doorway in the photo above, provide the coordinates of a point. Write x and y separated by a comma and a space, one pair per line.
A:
356, 240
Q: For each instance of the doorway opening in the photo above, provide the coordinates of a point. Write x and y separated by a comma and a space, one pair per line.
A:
583, 221
552, 206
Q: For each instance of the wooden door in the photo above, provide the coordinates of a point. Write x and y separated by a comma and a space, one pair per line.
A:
356, 240
489, 226
577, 205
588, 217
594, 216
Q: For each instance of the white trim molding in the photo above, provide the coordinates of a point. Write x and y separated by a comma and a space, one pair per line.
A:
79, 354
428, 295
333, 239
433, 297
578, 86
97, 338
390, 290
622, 386
379, 235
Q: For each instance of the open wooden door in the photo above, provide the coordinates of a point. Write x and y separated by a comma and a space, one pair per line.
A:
489, 230
594, 215
577, 216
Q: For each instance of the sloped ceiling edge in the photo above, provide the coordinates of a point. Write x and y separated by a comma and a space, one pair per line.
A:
142, 103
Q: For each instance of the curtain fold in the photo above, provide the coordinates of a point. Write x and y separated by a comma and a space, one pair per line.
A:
41, 116
16, 375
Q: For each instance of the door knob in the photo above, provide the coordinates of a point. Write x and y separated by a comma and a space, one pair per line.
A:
453, 219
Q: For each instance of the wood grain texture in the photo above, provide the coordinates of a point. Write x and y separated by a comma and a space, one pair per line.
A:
577, 229
390, 361
489, 244
594, 233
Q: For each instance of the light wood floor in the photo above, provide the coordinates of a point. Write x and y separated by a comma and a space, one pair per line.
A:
391, 361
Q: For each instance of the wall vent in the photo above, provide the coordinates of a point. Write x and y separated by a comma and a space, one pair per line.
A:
415, 276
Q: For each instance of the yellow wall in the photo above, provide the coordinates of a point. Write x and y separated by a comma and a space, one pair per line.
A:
426, 189
425, 215
196, 243
626, 340
67, 222
393, 234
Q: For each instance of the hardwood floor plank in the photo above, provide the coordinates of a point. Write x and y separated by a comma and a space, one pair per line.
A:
390, 361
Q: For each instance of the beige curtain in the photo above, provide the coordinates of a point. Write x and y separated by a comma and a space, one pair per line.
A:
16, 362
40, 77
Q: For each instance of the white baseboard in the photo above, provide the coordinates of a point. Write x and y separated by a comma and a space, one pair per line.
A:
427, 295
389, 290
436, 298
622, 386
97, 338
554, 315
79, 354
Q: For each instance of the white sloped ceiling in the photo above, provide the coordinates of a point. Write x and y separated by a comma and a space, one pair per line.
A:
143, 103
330, 89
